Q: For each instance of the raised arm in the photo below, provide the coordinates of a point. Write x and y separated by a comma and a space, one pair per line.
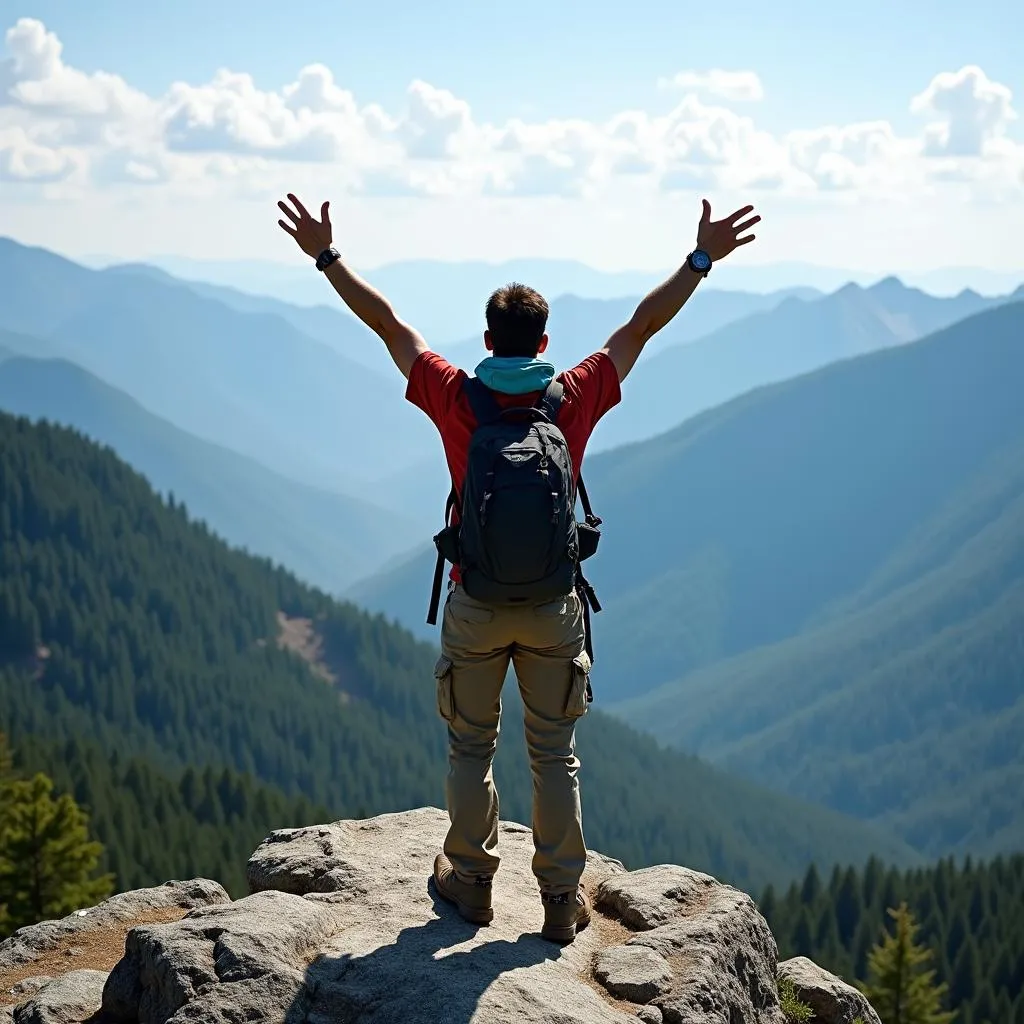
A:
315, 237
717, 238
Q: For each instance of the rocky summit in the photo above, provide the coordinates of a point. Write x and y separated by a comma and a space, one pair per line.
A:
342, 925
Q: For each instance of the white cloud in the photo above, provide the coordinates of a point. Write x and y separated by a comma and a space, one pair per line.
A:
36, 77
974, 112
852, 157
23, 159
58, 123
735, 86
231, 115
435, 120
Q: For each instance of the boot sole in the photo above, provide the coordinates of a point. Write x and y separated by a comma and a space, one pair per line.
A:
563, 936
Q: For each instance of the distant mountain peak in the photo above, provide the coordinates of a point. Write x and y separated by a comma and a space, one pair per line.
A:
888, 285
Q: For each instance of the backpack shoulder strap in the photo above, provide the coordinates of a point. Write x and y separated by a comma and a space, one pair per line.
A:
551, 401
484, 405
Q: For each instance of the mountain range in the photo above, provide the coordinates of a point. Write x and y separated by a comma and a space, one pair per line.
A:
811, 572
818, 583
681, 375
249, 381
445, 298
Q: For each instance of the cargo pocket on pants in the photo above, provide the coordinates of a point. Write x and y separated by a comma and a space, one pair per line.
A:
576, 705
445, 700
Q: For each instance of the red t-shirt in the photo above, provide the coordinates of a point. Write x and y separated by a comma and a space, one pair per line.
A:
435, 386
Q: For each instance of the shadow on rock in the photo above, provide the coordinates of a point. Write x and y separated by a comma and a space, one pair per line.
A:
425, 976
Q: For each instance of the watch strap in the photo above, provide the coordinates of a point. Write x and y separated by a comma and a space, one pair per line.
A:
326, 258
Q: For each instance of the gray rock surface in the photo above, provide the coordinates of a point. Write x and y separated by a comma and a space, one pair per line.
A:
342, 924
650, 1015
633, 973
69, 999
356, 932
29, 986
242, 961
831, 998
721, 951
26, 944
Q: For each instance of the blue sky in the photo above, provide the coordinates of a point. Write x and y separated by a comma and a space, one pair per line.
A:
821, 62
940, 178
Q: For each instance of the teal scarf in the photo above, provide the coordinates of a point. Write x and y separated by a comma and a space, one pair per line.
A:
515, 375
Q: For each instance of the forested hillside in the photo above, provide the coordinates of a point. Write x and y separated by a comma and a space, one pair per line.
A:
326, 538
969, 915
905, 704
127, 624
154, 825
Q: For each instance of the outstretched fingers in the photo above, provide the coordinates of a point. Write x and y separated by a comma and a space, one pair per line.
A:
287, 227
303, 212
746, 225
733, 217
288, 212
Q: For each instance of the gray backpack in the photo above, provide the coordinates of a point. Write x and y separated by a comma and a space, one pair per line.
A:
517, 540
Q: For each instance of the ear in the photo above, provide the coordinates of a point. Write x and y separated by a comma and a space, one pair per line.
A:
543, 344
488, 344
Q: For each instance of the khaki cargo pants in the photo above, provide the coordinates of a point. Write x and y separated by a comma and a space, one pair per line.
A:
545, 645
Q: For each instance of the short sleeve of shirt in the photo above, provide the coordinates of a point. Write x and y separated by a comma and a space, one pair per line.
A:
434, 385
593, 386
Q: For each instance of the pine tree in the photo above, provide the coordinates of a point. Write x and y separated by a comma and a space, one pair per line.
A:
6, 779
901, 991
46, 858
6, 762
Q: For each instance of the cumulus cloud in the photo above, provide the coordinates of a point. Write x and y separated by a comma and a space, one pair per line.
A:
23, 159
734, 86
850, 157
58, 122
972, 110
36, 77
435, 120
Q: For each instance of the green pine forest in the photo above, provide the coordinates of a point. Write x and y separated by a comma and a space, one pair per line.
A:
969, 914
136, 646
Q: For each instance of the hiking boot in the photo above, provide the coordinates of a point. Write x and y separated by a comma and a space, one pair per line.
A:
565, 916
473, 902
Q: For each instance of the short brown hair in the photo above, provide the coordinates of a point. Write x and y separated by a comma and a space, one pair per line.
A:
516, 317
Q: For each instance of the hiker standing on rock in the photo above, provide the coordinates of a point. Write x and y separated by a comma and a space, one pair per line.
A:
514, 436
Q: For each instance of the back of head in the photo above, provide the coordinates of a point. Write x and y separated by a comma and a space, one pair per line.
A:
517, 318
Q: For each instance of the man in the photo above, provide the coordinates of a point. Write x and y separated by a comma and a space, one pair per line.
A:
544, 641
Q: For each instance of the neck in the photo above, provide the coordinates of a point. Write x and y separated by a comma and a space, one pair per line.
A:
515, 375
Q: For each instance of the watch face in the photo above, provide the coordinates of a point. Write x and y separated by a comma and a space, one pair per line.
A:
701, 260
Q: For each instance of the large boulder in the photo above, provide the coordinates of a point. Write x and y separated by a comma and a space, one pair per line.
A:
69, 999
832, 999
160, 902
51, 970
342, 924
719, 950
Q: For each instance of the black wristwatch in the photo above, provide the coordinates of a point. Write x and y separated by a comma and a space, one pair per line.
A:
326, 258
699, 262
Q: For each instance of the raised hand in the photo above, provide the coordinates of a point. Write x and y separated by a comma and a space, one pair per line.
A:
312, 236
718, 238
